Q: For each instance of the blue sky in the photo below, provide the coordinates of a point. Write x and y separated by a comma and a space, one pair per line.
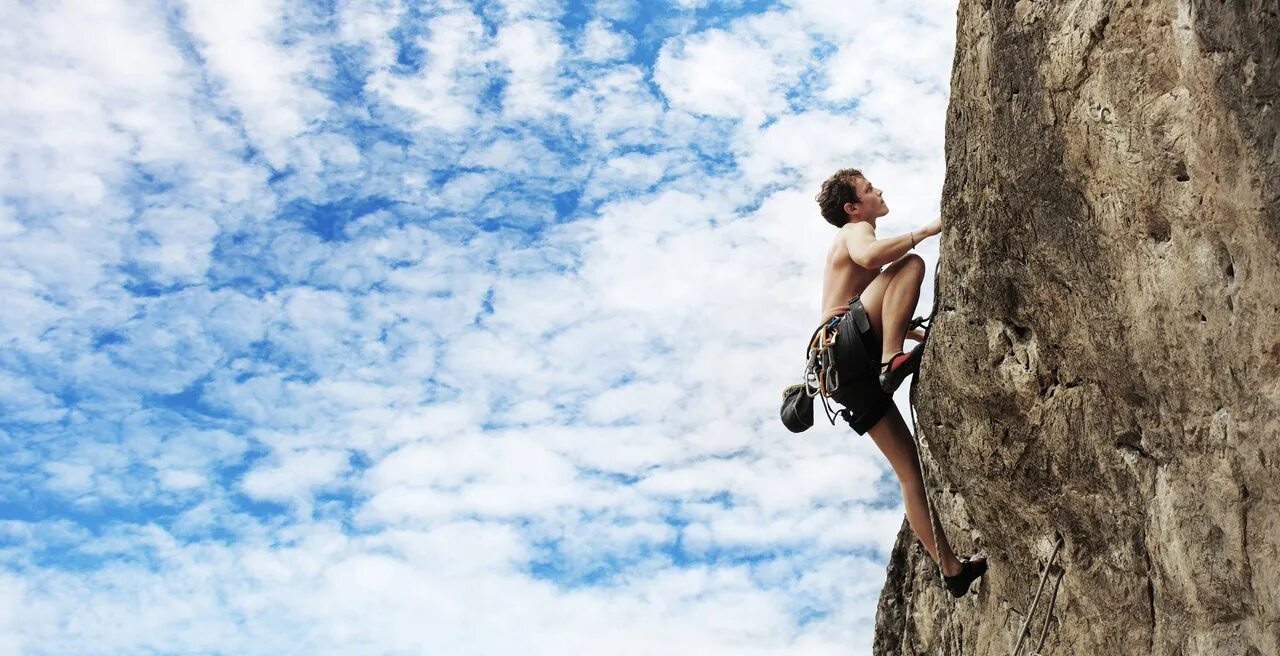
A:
458, 328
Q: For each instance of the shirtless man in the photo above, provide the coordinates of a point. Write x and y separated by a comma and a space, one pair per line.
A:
856, 267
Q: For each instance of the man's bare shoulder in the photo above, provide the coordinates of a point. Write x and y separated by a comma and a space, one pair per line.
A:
856, 238
857, 233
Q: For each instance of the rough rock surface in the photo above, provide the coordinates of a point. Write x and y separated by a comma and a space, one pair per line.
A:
1104, 365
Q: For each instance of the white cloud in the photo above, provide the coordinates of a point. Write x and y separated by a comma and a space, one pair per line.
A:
182, 479
742, 73
367, 23
531, 51
22, 401
12, 594
866, 62
77, 85
445, 92
600, 44
617, 109
719, 75
517, 9
262, 78
631, 174
293, 474
9, 225
177, 242
617, 10
801, 147
73, 479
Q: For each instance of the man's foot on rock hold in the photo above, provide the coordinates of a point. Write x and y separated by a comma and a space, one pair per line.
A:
897, 368
970, 569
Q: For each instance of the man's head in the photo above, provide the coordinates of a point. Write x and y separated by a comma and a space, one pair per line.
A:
848, 196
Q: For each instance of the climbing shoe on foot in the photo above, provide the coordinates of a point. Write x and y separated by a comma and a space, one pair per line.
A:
958, 585
899, 367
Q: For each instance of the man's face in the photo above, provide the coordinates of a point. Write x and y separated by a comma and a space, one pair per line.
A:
870, 201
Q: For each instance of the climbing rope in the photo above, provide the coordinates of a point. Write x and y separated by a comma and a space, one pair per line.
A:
1026, 621
1053, 598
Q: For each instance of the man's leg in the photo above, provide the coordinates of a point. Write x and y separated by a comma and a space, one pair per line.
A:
900, 298
890, 300
893, 437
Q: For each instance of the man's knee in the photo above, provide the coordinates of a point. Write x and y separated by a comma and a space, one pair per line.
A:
910, 262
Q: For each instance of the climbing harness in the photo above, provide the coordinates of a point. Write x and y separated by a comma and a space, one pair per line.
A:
837, 345
837, 342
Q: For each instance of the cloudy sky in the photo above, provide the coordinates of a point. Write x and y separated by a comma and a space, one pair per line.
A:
368, 326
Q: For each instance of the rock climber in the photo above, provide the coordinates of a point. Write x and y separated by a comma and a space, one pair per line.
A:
856, 269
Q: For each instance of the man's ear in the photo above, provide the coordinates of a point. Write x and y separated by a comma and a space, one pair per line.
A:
848, 209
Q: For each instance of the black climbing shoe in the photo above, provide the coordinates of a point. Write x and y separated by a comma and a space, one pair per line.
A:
958, 585
899, 367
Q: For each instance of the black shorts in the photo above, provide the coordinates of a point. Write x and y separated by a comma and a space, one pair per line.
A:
858, 364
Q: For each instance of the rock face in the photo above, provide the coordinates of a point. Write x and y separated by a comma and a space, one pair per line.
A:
1104, 363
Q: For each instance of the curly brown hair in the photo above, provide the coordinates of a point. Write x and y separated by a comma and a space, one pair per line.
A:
836, 191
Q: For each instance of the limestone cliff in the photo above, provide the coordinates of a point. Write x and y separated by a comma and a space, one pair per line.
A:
1104, 364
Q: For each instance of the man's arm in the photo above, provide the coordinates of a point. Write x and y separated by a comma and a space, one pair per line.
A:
870, 253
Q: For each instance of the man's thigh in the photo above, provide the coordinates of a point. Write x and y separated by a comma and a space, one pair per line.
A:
873, 298
873, 295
